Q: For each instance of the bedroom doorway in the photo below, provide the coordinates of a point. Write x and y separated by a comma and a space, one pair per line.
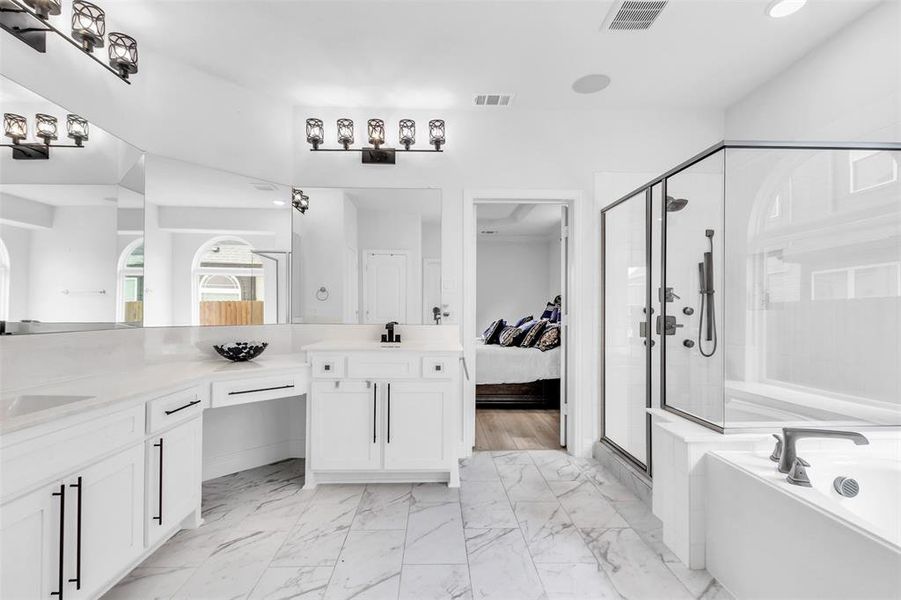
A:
521, 256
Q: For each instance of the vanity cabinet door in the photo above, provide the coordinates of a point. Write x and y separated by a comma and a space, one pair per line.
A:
111, 511
343, 426
417, 425
174, 463
30, 546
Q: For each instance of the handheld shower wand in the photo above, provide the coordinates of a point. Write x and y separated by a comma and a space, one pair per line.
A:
707, 316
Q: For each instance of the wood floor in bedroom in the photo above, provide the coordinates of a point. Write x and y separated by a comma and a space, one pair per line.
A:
517, 429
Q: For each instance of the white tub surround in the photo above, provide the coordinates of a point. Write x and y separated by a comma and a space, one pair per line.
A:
381, 412
678, 493
767, 538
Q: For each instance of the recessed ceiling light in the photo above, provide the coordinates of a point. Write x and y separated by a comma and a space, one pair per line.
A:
590, 84
783, 8
278, 202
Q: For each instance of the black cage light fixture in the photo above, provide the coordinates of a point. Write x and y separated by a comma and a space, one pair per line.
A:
30, 22
376, 152
299, 200
46, 129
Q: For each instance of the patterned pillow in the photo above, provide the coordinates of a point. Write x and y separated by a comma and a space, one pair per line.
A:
510, 336
548, 310
494, 331
524, 320
550, 338
533, 334
555, 315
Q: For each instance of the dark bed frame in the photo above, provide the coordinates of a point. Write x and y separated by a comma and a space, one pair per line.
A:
544, 393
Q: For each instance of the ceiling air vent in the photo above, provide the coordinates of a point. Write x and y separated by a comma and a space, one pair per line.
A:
498, 100
264, 187
634, 15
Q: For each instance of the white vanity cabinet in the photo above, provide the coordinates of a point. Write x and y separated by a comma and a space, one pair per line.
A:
29, 544
173, 484
387, 414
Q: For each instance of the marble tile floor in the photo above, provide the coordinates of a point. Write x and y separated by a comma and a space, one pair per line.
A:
524, 525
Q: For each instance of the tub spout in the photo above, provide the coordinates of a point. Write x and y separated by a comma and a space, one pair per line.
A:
791, 435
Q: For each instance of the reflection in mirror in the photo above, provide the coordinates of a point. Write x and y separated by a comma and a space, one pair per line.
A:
218, 247
71, 227
368, 255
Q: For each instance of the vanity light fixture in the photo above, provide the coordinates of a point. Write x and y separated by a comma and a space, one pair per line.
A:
123, 54
407, 133
315, 132
15, 127
376, 129
88, 25
78, 128
45, 126
30, 22
299, 200
376, 153
345, 133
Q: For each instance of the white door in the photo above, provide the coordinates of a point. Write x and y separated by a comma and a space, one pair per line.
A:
385, 286
351, 286
344, 426
564, 318
112, 527
173, 494
417, 425
29, 545
431, 289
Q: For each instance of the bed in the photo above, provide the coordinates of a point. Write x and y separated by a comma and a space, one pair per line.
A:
517, 376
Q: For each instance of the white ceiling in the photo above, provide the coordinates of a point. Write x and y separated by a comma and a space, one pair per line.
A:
173, 182
518, 221
437, 54
75, 195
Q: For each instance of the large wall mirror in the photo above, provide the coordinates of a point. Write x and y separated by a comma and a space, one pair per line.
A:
367, 255
218, 247
71, 223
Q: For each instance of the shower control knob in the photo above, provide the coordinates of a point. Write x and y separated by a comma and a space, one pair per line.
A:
688, 343
688, 311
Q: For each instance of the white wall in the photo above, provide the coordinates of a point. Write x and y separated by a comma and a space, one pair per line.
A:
847, 89
513, 280
18, 245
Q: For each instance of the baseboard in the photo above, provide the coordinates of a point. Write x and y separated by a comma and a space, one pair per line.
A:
624, 472
225, 464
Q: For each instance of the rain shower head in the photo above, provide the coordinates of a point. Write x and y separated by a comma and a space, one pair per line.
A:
675, 204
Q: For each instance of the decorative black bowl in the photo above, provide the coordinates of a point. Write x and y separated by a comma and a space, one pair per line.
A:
241, 351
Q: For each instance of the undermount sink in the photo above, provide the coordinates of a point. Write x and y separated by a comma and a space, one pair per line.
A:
30, 403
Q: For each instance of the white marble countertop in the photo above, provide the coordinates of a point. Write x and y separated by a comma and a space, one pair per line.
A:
357, 345
29, 407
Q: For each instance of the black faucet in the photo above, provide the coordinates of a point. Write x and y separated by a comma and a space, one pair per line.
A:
790, 436
390, 338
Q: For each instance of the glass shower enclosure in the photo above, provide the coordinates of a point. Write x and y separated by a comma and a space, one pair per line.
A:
756, 285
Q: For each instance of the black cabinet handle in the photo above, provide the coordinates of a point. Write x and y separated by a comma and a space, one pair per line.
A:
77, 579
375, 395
388, 440
188, 405
159, 518
62, 538
268, 389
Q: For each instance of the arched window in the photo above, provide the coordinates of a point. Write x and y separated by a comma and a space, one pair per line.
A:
4, 282
227, 283
130, 287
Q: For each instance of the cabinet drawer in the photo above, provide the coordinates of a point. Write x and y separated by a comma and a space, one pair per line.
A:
174, 408
437, 367
256, 389
379, 366
331, 367
59, 453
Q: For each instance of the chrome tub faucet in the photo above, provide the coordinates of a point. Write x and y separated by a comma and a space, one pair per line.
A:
787, 454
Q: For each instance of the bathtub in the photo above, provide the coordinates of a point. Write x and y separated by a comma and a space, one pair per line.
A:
769, 539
